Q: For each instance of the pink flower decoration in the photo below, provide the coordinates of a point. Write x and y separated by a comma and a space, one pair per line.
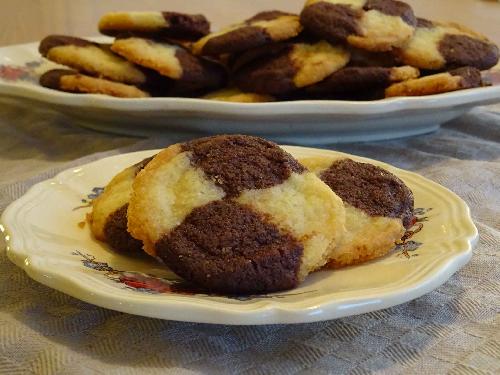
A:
12, 73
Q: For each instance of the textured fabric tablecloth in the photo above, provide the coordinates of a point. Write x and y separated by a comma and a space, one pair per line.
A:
454, 329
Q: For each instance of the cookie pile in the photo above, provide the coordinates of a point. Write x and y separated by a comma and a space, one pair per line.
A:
237, 214
335, 49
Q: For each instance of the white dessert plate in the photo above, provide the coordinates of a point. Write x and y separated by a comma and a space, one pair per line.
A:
47, 236
300, 122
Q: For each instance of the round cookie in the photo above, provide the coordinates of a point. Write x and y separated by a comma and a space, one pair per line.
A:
155, 24
171, 61
263, 28
457, 79
234, 95
378, 205
374, 25
108, 219
353, 80
72, 81
234, 214
364, 58
291, 68
91, 58
437, 46
237, 61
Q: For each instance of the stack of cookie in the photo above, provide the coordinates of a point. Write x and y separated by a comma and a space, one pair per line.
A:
149, 57
335, 49
237, 214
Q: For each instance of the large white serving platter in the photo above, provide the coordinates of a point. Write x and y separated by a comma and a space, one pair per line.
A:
301, 122
46, 237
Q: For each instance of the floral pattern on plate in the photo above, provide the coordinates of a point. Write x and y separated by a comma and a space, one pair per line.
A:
26, 72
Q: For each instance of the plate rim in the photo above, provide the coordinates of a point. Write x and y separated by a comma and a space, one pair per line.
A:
262, 311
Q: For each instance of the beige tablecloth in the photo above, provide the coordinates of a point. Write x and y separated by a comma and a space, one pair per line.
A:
454, 329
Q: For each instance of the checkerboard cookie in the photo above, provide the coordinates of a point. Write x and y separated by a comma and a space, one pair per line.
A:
108, 219
378, 205
72, 81
457, 79
234, 214
364, 58
438, 46
155, 24
91, 58
263, 28
292, 67
374, 25
172, 61
353, 80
